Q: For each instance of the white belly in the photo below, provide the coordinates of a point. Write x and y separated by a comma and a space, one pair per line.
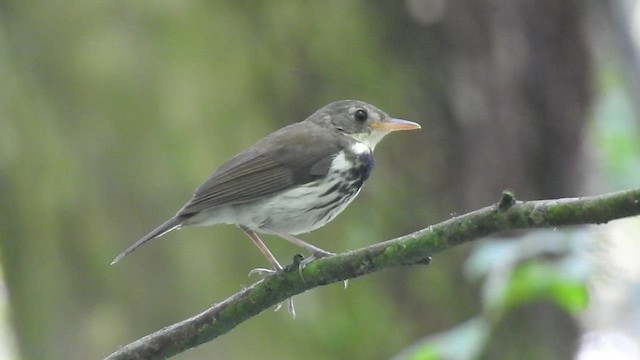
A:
295, 211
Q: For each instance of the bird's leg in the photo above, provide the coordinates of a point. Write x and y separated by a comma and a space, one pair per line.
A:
265, 251
316, 252
272, 259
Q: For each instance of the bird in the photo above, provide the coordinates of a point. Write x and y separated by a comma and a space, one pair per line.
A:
293, 181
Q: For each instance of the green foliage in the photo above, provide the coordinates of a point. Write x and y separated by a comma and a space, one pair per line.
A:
463, 342
537, 280
616, 130
544, 265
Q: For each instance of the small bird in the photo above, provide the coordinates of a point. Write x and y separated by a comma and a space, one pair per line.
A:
293, 181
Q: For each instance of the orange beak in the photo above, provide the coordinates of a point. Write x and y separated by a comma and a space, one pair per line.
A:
395, 125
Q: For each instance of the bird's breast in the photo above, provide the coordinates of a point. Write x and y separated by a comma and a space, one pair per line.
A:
364, 166
309, 206
358, 163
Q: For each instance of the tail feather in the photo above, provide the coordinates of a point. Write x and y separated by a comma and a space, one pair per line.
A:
167, 226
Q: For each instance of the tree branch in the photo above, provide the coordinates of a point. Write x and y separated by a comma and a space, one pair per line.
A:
414, 248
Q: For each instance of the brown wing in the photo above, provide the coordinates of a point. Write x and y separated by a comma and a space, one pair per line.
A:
294, 155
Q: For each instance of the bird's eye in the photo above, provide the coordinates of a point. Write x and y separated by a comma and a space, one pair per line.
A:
360, 115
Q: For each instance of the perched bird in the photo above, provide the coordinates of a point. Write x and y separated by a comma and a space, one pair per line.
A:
293, 181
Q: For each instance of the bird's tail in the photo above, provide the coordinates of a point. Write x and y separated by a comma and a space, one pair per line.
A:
167, 226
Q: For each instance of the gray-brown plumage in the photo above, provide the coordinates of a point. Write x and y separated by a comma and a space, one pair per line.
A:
292, 181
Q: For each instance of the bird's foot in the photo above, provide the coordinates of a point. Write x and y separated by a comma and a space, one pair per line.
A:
263, 273
317, 254
290, 307
267, 272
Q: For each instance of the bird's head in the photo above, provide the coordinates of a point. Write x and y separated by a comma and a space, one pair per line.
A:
359, 120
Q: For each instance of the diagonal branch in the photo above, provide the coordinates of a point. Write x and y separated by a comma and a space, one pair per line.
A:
414, 248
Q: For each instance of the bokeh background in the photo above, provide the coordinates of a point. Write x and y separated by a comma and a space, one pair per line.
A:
112, 112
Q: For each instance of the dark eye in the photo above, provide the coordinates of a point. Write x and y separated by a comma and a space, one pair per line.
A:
360, 115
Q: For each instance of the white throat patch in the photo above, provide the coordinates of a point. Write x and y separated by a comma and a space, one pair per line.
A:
360, 148
370, 140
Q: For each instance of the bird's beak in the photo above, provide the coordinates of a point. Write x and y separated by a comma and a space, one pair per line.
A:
395, 125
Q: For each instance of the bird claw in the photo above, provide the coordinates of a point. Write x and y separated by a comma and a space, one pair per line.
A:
278, 306
290, 307
262, 272
315, 255
322, 253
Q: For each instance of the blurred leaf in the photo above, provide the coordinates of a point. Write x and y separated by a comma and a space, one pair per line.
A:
545, 264
511, 273
537, 280
462, 342
615, 129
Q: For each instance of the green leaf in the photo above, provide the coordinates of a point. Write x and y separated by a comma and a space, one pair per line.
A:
536, 280
463, 342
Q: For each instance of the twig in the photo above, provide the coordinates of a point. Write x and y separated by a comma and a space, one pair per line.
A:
411, 249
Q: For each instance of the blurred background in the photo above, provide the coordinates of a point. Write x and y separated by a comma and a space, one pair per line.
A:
112, 112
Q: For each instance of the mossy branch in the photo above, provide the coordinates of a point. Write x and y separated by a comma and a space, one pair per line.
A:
414, 248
